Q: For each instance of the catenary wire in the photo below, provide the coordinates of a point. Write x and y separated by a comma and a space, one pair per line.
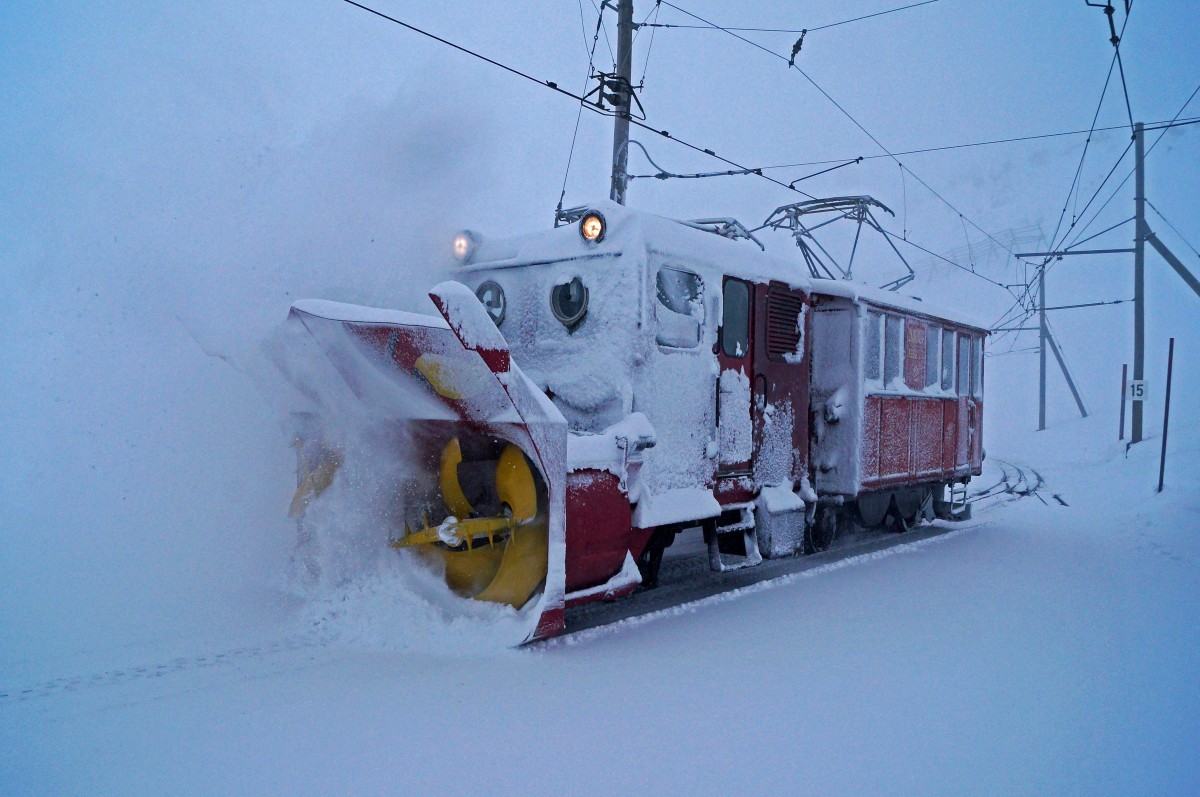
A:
846, 113
1172, 226
579, 113
577, 97
803, 30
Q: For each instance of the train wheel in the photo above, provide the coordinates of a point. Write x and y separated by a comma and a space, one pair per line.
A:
897, 521
821, 533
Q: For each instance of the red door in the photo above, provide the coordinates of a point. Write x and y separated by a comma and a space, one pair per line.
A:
735, 345
780, 395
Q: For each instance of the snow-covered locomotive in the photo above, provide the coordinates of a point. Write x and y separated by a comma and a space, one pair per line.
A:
593, 390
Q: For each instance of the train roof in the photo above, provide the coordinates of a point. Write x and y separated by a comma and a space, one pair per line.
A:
634, 230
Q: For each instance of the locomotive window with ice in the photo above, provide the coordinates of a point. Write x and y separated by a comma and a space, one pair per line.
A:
964, 365
893, 348
735, 319
680, 308
947, 360
977, 367
872, 343
933, 336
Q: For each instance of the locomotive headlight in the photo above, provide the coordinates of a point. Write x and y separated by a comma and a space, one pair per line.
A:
591, 227
464, 246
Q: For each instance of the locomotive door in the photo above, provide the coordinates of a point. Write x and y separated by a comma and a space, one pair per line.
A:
780, 394
735, 427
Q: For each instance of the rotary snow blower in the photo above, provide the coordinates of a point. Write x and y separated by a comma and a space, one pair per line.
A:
481, 499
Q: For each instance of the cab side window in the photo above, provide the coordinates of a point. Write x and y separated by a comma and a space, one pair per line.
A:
893, 349
679, 312
933, 337
947, 360
873, 347
964, 365
735, 319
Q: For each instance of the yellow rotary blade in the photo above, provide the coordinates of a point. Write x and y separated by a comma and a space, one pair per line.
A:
514, 484
452, 492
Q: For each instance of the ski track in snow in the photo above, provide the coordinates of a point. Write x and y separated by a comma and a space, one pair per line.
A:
175, 666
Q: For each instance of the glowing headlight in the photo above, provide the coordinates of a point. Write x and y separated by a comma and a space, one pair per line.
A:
465, 244
591, 226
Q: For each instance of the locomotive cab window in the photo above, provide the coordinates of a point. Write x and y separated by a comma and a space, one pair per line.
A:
964, 365
933, 337
893, 349
873, 347
977, 367
947, 360
680, 310
735, 319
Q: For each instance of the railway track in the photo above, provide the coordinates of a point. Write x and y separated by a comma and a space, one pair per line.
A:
1015, 482
686, 579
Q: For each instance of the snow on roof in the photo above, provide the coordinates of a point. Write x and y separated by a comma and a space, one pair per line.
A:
338, 311
858, 292
629, 230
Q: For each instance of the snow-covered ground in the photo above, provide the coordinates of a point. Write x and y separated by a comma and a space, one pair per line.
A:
176, 175
1041, 649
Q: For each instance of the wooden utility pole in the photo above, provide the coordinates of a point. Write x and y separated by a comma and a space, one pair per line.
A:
624, 94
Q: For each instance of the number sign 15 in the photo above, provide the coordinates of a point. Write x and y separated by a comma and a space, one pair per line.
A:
1136, 390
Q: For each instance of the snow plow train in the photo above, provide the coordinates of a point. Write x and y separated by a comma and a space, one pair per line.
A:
587, 393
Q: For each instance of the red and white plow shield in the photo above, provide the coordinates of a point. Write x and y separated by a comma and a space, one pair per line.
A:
441, 379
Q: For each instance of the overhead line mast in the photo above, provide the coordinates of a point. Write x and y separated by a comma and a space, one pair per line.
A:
622, 95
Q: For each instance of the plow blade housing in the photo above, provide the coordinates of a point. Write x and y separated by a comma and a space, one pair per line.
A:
481, 493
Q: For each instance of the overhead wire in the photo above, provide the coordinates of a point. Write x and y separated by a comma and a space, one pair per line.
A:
946, 147
847, 114
599, 9
1172, 226
649, 47
804, 30
579, 113
1163, 131
1055, 241
550, 84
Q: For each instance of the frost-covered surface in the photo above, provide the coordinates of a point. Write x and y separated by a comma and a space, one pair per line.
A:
183, 176
673, 506
368, 315
837, 398
1042, 649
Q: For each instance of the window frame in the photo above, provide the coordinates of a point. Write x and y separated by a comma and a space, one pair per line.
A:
658, 302
893, 349
949, 362
933, 349
873, 326
962, 376
747, 329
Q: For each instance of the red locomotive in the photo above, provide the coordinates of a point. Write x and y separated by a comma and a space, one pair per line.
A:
591, 391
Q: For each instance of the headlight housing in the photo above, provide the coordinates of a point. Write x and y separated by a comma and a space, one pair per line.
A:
569, 302
491, 296
592, 227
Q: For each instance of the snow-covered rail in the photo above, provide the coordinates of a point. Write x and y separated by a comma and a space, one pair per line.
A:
1015, 482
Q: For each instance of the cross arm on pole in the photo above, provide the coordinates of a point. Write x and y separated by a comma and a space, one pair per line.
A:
1175, 262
